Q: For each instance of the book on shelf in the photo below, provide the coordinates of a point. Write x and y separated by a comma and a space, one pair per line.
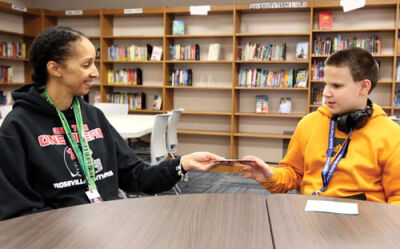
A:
5, 97
261, 104
397, 97
185, 52
178, 27
214, 52
6, 73
317, 96
181, 77
285, 105
156, 54
126, 76
135, 101
325, 19
302, 50
301, 78
253, 51
157, 102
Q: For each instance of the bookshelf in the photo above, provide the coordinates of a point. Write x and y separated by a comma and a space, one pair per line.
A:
16, 26
220, 114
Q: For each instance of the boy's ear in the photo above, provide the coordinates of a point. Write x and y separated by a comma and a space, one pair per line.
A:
53, 68
366, 85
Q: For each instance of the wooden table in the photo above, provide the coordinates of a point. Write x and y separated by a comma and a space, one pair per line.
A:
376, 226
185, 221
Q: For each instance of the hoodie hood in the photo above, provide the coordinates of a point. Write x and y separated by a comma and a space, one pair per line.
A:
377, 111
29, 97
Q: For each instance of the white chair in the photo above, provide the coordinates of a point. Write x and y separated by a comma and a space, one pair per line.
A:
4, 110
112, 108
172, 136
158, 148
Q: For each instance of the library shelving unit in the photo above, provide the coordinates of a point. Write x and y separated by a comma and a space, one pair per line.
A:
358, 24
118, 28
219, 113
17, 25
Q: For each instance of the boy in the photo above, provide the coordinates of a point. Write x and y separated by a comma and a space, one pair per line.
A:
348, 147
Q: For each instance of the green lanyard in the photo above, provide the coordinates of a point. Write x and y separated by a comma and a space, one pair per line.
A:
85, 159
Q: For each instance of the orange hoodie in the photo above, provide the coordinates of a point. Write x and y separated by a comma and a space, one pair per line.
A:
371, 164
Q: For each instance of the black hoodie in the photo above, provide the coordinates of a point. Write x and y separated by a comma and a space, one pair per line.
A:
39, 172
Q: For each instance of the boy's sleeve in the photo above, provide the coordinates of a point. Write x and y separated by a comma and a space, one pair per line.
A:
290, 173
391, 177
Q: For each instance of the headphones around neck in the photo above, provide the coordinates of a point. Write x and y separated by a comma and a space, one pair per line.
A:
354, 120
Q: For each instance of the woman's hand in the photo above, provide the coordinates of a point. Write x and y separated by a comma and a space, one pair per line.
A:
202, 161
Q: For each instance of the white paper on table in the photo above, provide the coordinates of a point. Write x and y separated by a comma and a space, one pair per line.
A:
331, 207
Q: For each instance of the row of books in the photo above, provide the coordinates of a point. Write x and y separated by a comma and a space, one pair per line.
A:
185, 52
316, 96
5, 98
317, 70
328, 45
285, 105
135, 52
135, 101
181, 77
13, 49
130, 76
265, 78
6, 73
253, 51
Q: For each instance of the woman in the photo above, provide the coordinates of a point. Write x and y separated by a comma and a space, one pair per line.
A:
59, 151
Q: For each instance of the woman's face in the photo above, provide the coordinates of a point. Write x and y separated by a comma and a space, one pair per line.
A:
79, 70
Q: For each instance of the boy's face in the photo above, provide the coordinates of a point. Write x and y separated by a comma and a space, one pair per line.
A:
342, 94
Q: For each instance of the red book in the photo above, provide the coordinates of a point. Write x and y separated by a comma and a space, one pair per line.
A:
325, 20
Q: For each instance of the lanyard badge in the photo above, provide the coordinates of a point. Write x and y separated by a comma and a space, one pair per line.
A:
329, 168
83, 154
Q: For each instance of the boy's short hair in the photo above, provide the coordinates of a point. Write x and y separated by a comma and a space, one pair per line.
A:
360, 62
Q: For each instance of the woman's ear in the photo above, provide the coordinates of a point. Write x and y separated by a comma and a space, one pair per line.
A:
365, 87
53, 68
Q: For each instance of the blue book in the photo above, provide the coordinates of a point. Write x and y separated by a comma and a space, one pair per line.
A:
178, 27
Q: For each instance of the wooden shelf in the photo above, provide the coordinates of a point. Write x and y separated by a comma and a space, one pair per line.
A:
206, 133
136, 62
262, 135
10, 33
206, 113
13, 59
201, 36
374, 55
2, 83
270, 34
144, 111
144, 37
270, 115
198, 62
270, 62
131, 86
200, 87
273, 88
354, 30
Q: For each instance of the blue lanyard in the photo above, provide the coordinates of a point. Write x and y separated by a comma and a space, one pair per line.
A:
329, 168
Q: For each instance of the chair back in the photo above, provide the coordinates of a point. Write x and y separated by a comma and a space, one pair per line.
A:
4, 110
158, 148
112, 108
172, 136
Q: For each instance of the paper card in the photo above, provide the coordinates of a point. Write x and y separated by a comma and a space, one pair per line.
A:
349, 5
331, 207
200, 10
133, 11
73, 12
18, 7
